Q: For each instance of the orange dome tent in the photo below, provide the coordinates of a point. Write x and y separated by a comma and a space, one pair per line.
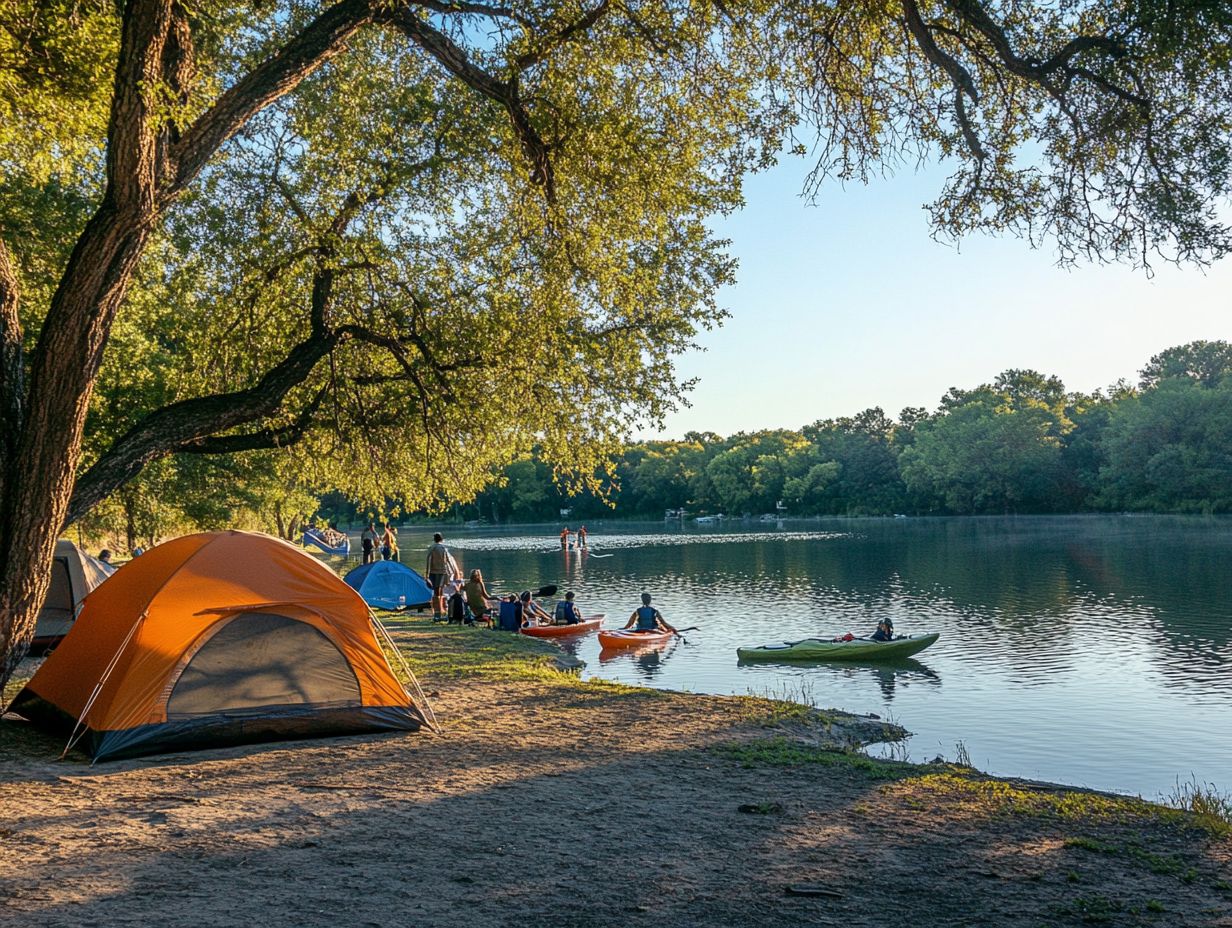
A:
214, 639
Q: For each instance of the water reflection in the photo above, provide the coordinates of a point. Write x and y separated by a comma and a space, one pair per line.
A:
888, 675
1107, 632
646, 660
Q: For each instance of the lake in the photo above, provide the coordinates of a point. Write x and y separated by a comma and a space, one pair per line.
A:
1087, 650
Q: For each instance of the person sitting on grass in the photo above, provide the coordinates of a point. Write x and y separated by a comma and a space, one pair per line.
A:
532, 613
477, 597
885, 631
648, 619
566, 612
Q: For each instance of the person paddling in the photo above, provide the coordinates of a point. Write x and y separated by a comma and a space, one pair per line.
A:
647, 618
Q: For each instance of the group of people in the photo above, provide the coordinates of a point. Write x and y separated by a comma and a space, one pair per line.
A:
384, 543
472, 603
579, 538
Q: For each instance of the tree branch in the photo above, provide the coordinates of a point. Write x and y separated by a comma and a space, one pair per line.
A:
186, 423
280, 437
318, 42
453, 59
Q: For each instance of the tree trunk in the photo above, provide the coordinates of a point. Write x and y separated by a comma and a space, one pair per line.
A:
148, 163
130, 524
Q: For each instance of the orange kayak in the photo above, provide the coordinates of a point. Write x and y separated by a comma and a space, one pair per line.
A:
557, 631
626, 639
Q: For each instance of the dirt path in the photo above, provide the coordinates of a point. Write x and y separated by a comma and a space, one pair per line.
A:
572, 804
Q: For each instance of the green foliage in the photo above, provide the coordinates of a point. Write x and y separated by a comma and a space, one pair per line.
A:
1018, 444
1170, 449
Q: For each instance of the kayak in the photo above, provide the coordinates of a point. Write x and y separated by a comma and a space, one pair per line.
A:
858, 649
557, 631
622, 638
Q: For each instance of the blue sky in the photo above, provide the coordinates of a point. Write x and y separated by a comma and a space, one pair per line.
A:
849, 303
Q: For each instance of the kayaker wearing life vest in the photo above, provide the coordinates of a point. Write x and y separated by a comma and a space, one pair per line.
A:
532, 613
647, 618
566, 612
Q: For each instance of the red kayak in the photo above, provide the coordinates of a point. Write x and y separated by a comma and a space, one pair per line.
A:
557, 631
624, 638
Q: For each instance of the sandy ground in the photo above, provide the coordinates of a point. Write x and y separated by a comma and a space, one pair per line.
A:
574, 805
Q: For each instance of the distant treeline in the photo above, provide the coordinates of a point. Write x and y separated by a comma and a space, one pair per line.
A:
1020, 444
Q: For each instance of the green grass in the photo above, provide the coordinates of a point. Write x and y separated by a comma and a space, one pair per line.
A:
1211, 808
1093, 910
780, 752
1162, 864
438, 652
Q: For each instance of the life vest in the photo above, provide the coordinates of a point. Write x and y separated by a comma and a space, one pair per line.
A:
646, 616
566, 613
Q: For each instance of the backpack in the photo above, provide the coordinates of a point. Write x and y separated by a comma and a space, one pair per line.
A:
457, 608
510, 617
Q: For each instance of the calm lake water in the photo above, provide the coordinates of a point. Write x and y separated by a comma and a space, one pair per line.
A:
1089, 650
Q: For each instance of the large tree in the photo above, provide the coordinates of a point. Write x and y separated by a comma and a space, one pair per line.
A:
409, 238
400, 241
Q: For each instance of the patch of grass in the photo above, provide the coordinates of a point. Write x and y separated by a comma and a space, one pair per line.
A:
780, 752
1154, 905
962, 757
1093, 910
438, 652
771, 711
1211, 808
1003, 797
1162, 864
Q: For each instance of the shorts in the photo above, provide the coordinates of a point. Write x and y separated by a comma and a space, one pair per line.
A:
438, 583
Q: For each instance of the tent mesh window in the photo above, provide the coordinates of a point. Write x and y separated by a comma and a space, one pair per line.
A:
262, 659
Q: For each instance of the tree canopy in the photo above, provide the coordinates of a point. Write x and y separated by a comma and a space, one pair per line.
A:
397, 243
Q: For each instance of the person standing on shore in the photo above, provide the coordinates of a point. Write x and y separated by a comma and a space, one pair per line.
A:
367, 539
439, 573
564, 539
389, 543
581, 537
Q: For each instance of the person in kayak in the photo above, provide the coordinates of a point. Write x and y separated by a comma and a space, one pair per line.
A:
647, 618
885, 631
532, 613
566, 612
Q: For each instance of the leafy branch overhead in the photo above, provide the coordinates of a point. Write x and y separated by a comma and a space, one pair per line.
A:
1102, 127
403, 241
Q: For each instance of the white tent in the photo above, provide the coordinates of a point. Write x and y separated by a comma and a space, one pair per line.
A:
73, 574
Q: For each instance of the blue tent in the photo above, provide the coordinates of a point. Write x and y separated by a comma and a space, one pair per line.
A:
389, 585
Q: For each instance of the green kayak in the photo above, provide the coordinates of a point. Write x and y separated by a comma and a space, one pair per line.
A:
857, 649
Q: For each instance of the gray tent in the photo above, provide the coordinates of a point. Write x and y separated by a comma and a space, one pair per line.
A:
73, 574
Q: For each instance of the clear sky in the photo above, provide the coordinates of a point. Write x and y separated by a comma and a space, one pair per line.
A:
848, 303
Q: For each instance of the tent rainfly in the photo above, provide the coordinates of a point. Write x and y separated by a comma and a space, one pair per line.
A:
215, 639
73, 575
389, 585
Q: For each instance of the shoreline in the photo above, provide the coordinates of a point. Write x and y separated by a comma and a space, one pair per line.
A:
687, 809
